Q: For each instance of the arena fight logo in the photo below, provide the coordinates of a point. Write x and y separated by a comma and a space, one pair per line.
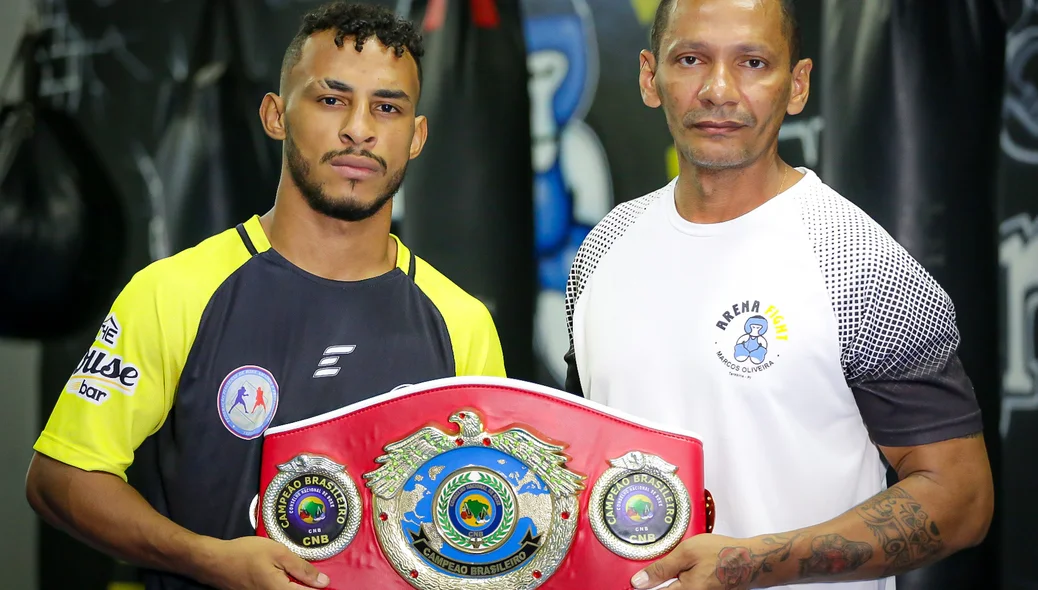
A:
572, 186
757, 329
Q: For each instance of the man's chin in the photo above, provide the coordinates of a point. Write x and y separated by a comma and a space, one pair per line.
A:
718, 159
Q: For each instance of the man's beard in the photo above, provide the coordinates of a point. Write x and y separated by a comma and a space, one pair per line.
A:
344, 208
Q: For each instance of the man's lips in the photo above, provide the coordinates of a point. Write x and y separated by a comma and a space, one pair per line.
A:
718, 126
355, 167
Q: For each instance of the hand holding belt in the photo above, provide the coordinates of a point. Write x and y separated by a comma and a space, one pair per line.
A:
467, 483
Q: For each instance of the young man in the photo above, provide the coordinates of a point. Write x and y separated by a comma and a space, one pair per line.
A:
750, 303
306, 309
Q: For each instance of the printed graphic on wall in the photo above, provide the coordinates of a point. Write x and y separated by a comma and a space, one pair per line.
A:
572, 186
1018, 248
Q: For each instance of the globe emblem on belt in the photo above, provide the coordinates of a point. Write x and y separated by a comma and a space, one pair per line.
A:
475, 511
312, 510
639, 508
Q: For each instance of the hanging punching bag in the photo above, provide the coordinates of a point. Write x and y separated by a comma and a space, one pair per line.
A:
470, 193
910, 94
215, 164
63, 225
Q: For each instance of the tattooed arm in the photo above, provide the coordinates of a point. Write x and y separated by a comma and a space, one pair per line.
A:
942, 504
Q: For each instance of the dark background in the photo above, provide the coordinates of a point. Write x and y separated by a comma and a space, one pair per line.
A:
925, 114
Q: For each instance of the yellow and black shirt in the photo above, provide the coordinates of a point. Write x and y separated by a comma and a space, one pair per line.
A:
205, 350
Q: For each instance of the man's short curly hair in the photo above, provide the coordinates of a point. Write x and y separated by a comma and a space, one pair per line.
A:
357, 21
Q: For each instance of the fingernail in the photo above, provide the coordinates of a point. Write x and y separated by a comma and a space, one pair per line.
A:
639, 580
322, 579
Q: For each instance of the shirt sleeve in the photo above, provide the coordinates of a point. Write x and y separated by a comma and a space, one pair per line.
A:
121, 390
902, 363
483, 355
572, 384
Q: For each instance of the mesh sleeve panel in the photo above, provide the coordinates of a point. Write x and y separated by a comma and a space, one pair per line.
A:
598, 242
896, 325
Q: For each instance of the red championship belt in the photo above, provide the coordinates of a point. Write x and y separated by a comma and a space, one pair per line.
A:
467, 483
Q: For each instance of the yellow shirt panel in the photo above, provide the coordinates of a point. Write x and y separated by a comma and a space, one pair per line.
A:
474, 338
124, 386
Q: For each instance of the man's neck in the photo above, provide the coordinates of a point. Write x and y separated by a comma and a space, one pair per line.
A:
330, 248
713, 196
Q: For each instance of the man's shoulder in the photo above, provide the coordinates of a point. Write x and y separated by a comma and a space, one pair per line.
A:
450, 298
192, 273
864, 266
623, 215
843, 233
615, 226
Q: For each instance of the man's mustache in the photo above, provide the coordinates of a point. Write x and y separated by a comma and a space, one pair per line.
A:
697, 116
353, 152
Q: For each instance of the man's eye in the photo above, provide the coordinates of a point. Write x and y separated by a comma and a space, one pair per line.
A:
330, 101
388, 108
688, 60
756, 63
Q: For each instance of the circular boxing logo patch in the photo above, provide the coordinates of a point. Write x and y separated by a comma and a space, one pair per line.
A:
640, 508
315, 511
312, 507
248, 400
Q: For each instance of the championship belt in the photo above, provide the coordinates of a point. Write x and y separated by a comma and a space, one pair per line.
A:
480, 483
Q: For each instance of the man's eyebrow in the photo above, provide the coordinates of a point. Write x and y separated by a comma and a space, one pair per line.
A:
392, 94
753, 48
741, 48
336, 85
340, 86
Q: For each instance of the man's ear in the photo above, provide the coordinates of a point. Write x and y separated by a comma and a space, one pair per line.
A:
647, 79
801, 87
272, 115
421, 133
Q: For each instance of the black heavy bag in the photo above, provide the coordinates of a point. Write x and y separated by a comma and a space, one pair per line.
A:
470, 193
63, 226
1018, 255
215, 164
910, 94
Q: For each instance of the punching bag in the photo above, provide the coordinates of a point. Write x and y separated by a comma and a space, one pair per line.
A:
1018, 257
910, 95
215, 164
63, 226
470, 193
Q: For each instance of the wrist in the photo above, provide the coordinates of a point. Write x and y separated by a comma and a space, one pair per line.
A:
764, 561
197, 557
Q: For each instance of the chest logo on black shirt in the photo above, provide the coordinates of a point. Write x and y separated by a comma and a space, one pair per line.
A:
248, 400
752, 339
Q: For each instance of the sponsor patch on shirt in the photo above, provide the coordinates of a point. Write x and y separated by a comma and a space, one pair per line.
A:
101, 373
108, 334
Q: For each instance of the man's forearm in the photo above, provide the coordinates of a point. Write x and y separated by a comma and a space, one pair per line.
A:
105, 512
905, 527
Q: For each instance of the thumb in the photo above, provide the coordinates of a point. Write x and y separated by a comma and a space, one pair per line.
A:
661, 571
303, 571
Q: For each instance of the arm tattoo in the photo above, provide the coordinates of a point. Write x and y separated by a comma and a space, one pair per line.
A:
906, 534
737, 566
833, 554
